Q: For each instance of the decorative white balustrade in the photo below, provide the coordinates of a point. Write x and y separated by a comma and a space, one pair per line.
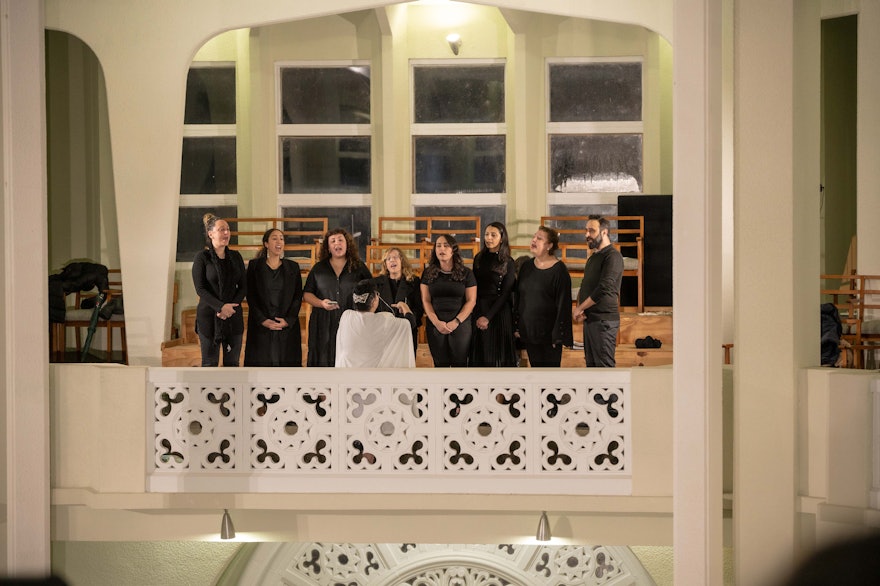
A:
415, 431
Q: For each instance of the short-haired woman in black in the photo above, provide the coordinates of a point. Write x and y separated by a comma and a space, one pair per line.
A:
328, 290
449, 294
543, 301
274, 286
219, 278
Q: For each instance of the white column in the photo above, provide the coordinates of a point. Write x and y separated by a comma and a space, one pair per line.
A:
23, 300
868, 139
697, 490
776, 232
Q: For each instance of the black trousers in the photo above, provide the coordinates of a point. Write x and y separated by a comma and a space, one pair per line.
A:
211, 350
543, 355
600, 342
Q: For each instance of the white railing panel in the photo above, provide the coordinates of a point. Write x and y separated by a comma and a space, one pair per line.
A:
518, 431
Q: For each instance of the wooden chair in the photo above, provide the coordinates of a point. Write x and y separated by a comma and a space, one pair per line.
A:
845, 292
78, 318
574, 254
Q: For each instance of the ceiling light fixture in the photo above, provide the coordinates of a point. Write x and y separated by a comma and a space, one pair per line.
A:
543, 533
454, 40
227, 529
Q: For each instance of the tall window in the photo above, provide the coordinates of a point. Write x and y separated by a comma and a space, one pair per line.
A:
208, 178
594, 127
459, 137
324, 143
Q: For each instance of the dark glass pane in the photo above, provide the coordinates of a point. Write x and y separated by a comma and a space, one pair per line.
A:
354, 219
596, 92
459, 164
210, 96
208, 165
459, 94
596, 163
328, 95
338, 164
191, 236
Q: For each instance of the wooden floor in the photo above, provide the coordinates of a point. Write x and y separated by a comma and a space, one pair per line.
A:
185, 351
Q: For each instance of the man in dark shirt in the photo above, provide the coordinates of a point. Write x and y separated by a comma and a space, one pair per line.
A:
599, 296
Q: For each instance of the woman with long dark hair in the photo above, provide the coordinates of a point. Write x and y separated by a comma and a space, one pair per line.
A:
449, 294
397, 282
274, 285
543, 302
219, 278
328, 290
494, 343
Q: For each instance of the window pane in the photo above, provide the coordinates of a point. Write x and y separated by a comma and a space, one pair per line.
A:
354, 219
208, 165
337, 164
459, 164
328, 95
210, 96
191, 236
596, 92
459, 94
596, 163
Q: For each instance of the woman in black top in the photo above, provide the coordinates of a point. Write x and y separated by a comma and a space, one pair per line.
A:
219, 278
543, 302
396, 283
274, 286
449, 294
494, 343
328, 290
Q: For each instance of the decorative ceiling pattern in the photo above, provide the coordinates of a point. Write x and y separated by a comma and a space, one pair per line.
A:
408, 564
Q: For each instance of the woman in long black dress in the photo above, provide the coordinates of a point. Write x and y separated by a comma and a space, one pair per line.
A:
274, 286
494, 343
328, 290
449, 294
219, 278
397, 282
543, 302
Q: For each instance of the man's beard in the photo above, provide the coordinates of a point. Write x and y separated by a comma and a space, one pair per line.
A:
593, 243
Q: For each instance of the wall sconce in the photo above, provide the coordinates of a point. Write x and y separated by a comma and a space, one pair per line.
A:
454, 40
543, 533
227, 529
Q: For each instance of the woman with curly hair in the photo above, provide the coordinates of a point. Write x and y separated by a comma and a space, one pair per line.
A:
397, 282
328, 290
494, 343
449, 294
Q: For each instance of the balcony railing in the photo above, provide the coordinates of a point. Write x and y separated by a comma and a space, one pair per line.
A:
334, 430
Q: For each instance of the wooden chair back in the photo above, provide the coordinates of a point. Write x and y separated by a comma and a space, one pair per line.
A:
394, 229
247, 233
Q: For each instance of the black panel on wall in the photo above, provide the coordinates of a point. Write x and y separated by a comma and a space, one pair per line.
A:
657, 210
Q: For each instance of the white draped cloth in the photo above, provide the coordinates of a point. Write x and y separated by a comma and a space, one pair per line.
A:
374, 340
